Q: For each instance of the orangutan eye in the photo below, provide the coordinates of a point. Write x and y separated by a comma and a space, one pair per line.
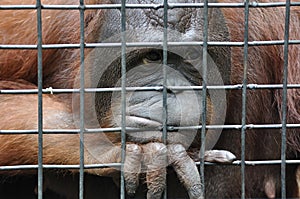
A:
152, 56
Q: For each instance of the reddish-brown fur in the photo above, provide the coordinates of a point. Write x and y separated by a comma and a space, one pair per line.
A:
61, 66
59, 69
23, 149
20, 27
265, 66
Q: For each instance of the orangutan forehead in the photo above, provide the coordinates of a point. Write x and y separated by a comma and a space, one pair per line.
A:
179, 19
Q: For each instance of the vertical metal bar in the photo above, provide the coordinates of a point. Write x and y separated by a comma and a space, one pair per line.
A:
82, 93
204, 92
284, 99
244, 97
40, 98
165, 62
123, 96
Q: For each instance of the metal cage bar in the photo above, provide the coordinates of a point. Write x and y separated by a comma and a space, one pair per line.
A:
40, 99
151, 6
82, 101
164, 91
123, 96
244, 96
204, 93
284, 101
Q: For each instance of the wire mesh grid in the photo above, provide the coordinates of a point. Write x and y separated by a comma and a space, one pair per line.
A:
165, 44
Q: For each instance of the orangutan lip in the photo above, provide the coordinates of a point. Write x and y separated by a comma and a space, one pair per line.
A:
142, 122
137, 121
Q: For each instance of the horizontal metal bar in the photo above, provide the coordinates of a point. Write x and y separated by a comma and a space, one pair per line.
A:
152, 88
33, 47
131, 129
147, 6
238, 126
17, 7
47, 166
35, 91
148, 44
107, 165
254, 162
35, 131
235, 87
18, 132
